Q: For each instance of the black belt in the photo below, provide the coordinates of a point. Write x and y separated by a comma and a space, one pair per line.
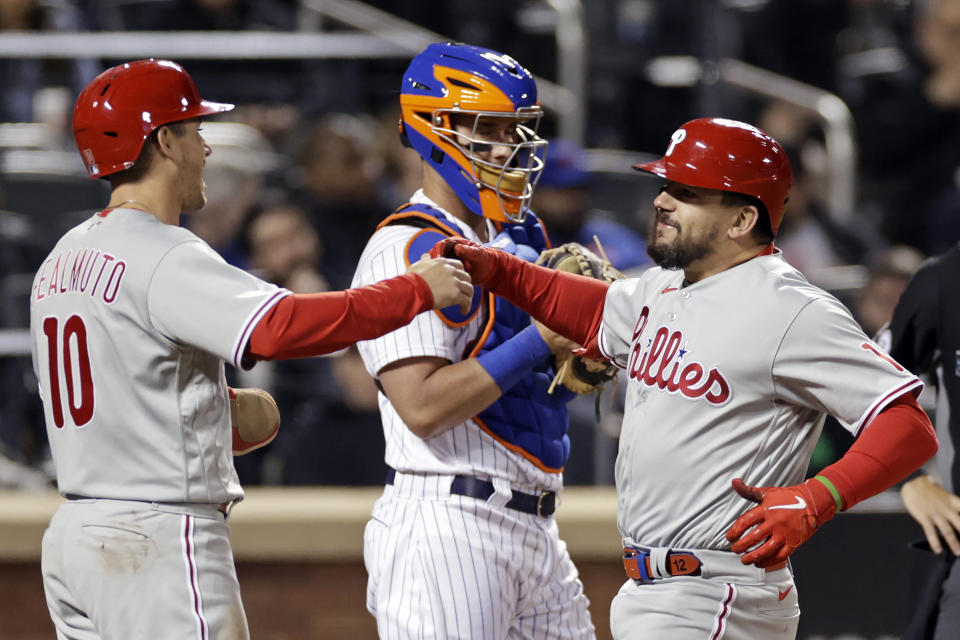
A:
543, 504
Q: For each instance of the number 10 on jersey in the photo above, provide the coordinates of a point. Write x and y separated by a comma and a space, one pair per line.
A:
67, 349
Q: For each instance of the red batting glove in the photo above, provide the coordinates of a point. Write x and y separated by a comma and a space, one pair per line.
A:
785, 518
485, 265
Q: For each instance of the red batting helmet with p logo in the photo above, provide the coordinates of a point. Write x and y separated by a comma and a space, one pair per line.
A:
119, 109
716, 153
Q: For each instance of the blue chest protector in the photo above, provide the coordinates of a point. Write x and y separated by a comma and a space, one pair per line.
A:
525, 419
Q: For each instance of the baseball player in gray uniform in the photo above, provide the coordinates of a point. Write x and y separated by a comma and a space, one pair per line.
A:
132, 319
732, 359
463, 543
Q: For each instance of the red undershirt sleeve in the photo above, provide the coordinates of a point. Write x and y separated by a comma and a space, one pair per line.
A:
303, 325
897, 442
570, 304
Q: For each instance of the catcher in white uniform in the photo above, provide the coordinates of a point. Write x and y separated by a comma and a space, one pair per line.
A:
463, 543
132, 318
732, 359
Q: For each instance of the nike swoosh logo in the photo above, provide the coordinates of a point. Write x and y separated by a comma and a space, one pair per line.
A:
668, 290
783, 594
799, 504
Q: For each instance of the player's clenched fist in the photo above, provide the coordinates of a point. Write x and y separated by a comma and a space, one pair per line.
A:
486, 265
785, 518
447, 280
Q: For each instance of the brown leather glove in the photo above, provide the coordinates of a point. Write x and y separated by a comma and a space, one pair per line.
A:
255, 419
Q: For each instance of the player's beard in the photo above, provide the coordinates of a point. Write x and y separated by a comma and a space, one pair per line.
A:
682, 251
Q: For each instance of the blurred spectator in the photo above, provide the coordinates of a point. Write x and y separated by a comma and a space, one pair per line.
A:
341, 172
22, 77
231, 194
809, 237
898, 85
237, 81
561, 200
890, 269
328, 406
285, 249
402, 171
235, 179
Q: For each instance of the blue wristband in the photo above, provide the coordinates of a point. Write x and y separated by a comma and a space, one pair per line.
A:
515, 358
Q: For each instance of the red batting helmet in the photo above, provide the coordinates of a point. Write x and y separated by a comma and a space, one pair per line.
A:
715, 153
119, 109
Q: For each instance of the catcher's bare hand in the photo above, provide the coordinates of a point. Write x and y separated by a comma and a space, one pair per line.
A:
447, 280
557, 343
935, 509
483, 263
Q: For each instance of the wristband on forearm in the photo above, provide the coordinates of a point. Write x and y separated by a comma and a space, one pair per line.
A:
837, 498
515, 358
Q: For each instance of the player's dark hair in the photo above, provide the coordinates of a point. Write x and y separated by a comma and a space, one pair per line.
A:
762, 231
143, 161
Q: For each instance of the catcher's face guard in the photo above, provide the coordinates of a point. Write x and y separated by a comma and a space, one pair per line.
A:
450, 84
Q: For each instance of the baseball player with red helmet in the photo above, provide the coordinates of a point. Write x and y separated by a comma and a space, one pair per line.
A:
463, 543
733, 359
132, 318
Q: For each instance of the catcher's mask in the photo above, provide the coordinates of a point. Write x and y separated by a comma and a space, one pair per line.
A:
715, 153
121, 107
449, 84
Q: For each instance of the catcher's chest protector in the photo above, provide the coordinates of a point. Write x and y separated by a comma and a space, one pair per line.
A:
525, 419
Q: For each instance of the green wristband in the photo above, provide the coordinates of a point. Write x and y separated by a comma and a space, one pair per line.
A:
832, 489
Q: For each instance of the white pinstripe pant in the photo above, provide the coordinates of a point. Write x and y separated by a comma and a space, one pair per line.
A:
445, 567
127, 570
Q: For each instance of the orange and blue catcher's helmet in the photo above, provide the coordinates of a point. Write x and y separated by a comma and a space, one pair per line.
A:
120, 108
728, 155
449, 79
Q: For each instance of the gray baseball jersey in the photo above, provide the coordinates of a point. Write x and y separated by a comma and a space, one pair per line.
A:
730, 377
131, 322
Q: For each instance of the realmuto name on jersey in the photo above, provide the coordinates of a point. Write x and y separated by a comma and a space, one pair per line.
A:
659, 360
92, 272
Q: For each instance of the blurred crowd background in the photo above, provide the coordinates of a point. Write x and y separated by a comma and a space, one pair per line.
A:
310, 161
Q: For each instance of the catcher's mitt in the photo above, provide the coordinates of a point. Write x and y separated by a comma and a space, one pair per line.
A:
255, 419
576, 373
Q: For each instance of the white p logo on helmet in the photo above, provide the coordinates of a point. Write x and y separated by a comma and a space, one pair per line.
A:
677, 137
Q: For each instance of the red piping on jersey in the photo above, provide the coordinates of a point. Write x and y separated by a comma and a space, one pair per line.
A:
895, 443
